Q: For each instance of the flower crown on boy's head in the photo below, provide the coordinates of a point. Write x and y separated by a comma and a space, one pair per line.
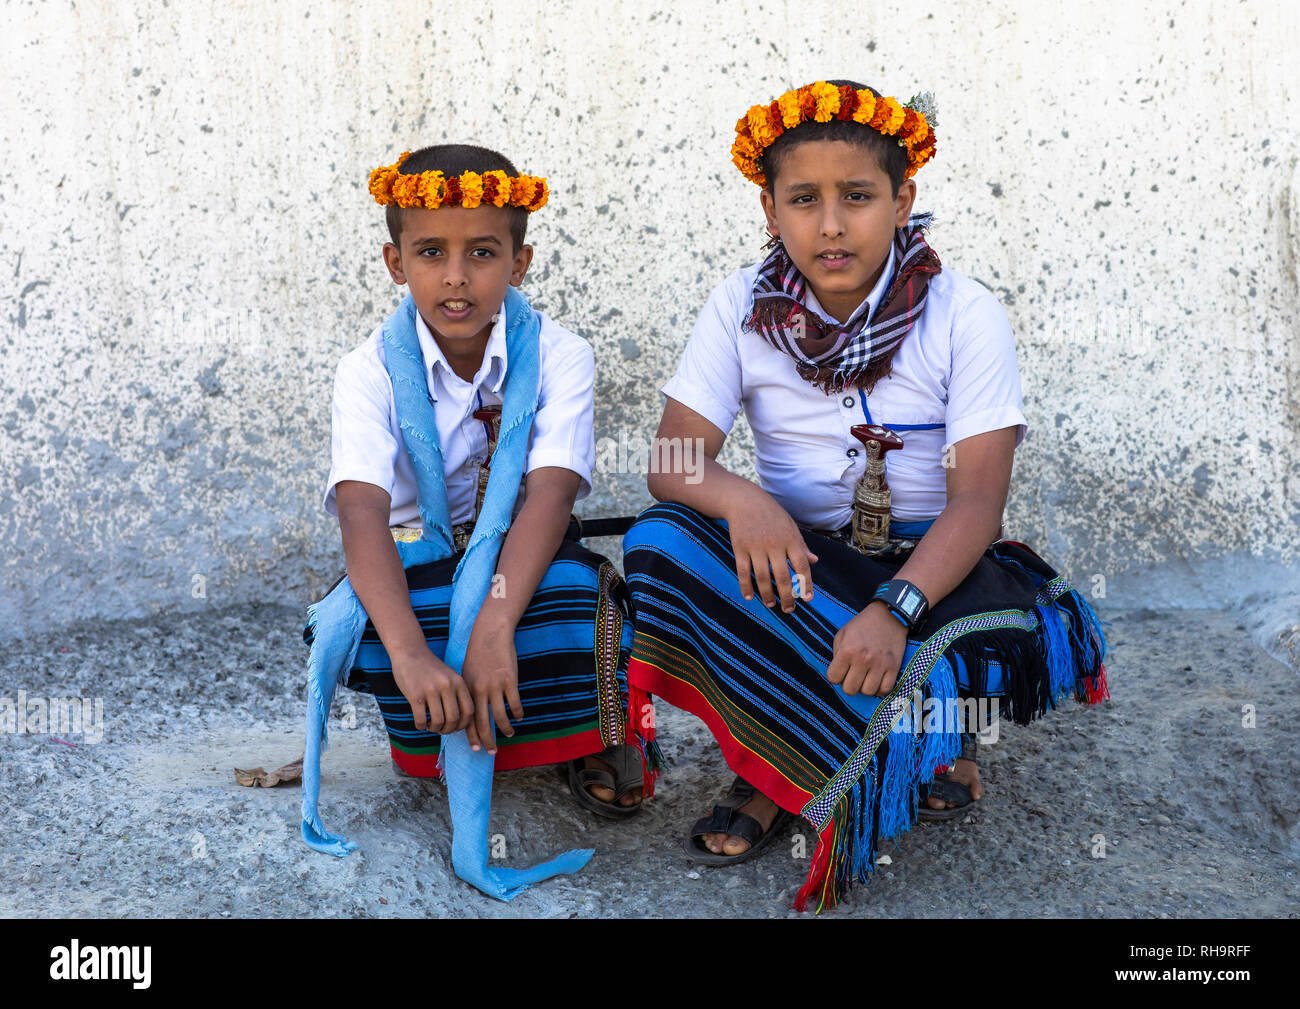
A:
911, 122
432, 190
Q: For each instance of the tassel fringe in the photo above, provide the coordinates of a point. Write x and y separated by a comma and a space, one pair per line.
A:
1062, 656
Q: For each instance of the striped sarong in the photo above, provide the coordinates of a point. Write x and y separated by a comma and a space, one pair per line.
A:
852, 766
572, 644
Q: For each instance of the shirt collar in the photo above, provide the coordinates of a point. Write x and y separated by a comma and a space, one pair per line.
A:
872, 301
492, 371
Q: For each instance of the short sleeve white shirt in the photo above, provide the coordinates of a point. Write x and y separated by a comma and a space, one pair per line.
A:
954, 376
367, 444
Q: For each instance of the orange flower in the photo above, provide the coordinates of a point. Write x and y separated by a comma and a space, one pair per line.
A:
866, 108
430, 189
406, 189
744, 147
821, 102
848, 103
520, 191
501, 194
542, 196
826, 99
789, 105
807, 103
388, 185
894, 119
381, 184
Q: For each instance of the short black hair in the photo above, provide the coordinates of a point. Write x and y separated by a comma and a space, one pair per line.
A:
891, 158
453, 159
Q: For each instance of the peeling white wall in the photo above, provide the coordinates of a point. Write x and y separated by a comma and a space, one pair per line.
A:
188, 248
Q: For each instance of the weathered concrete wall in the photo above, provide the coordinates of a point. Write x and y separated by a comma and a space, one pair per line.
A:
188, 248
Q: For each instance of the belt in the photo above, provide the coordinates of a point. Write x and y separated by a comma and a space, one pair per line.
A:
902, 535
578, 529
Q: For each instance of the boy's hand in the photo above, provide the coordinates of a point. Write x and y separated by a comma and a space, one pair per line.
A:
767, 543
868, 652
439, 700
491, 672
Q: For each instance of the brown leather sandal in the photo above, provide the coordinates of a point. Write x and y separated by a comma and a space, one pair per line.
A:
625, 758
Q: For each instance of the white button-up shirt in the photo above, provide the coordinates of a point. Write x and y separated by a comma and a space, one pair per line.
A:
954, 376
367, 444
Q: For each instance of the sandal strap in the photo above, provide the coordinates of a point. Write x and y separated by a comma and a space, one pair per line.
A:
726, 820
950, 791
628, 766
595, 776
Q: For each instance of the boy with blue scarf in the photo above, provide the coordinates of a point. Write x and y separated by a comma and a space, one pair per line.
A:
462, 437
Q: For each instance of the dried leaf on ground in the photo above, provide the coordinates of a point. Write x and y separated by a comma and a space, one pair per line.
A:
259, 775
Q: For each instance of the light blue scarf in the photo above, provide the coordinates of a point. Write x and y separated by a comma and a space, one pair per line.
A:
339, 619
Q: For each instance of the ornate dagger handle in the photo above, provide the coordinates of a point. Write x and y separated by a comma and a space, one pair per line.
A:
491, 416
871, 494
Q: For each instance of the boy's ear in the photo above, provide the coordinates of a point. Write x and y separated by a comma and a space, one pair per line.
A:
523, 260
769, 211
393, 260
903, 202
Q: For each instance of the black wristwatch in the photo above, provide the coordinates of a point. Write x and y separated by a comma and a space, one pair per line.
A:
905, 601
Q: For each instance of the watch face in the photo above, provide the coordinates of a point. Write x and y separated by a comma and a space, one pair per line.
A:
911, 600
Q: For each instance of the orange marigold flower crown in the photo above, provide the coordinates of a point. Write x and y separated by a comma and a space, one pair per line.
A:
912, 123
432, 190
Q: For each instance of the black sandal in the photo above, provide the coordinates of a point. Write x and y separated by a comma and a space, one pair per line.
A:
948, 790
628, 775
727, 819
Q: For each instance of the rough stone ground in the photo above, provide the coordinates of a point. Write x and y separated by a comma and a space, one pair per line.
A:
1199, 813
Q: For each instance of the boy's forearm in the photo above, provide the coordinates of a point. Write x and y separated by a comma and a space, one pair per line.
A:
528, 550
703, 484
953, 545
376, 573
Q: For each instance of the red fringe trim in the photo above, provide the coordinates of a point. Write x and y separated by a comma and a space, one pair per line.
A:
641, 722
819, 873
1095, 689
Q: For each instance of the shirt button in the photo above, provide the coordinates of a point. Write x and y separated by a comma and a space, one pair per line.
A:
851, 452
848, 400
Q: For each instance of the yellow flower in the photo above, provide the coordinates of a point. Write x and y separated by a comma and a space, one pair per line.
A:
471, 189
430, 190
828, 101
866, 107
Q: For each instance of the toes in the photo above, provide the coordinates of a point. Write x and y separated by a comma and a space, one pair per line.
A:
735, 846
600, 793
714, 842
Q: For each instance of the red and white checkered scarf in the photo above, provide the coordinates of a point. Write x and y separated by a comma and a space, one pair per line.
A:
833, 356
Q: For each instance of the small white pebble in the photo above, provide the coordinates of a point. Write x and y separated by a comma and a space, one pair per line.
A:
884, 860
692, 875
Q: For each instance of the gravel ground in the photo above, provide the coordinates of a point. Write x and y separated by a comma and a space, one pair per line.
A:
1198, 812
